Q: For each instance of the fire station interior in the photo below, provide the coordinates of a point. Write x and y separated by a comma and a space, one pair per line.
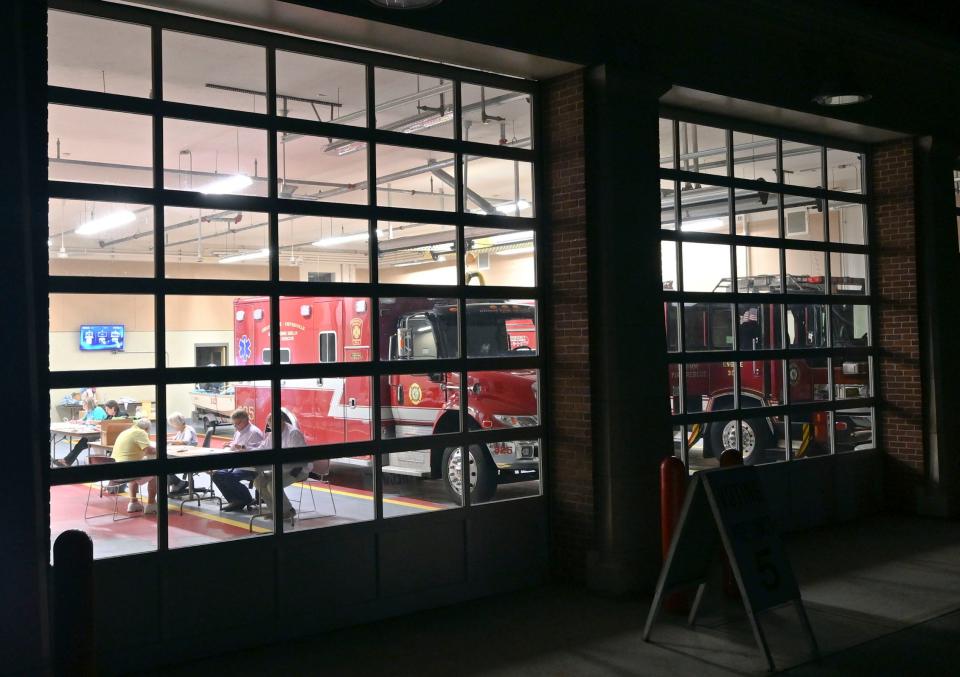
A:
117, 239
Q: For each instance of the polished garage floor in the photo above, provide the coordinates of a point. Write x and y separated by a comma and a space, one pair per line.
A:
883, 597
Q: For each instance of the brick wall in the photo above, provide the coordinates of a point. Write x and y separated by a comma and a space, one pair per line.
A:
571, 466
895, 271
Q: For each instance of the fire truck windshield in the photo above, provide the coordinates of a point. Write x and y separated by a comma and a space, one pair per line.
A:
487, 329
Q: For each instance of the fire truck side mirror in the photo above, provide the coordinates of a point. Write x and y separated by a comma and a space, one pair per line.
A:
436, 377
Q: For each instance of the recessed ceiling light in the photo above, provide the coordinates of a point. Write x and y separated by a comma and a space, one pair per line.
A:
405, 4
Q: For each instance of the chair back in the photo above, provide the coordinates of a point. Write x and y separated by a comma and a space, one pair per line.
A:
208, 436
111, 428
100, 459
320, 468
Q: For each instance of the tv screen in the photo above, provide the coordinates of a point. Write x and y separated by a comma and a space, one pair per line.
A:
101, 337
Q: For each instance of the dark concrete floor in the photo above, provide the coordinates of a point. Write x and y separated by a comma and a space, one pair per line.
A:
883, 597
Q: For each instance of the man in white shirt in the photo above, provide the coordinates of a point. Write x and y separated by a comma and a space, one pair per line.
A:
290, 437
246, 437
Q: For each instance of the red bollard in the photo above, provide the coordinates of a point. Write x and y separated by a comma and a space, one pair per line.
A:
673, 489
729, 458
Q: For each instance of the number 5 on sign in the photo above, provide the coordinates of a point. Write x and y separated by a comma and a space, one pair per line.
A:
726, 507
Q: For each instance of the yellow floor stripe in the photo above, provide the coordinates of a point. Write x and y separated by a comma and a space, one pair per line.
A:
368, 497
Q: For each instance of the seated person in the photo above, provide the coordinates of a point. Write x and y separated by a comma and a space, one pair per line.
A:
93, 414
133, 444
185, 435
246, 437
292, 472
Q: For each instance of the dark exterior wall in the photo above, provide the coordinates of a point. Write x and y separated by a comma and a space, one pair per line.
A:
571, 463
895, 275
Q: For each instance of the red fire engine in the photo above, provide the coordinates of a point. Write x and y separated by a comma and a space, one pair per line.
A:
709, 385
336, 410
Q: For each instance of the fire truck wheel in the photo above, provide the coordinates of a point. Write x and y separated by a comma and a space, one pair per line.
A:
482, 473
754, 437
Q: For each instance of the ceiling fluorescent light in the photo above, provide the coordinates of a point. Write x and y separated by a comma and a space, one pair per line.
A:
344, 239
112, 220
511, 207
228, 184
247, 256
507, 238
410, 263
405, 4
703, 224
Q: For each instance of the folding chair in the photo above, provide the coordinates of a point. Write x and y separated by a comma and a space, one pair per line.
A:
102, 460
320, 473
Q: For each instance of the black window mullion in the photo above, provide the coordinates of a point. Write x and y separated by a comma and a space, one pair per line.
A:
460, 206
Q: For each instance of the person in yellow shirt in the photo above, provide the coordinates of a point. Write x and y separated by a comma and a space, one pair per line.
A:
134, 444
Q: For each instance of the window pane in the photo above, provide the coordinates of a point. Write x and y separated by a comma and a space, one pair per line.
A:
851, 378
807, 379
668, 264
806, 325
88, 145
495, 186
850, 325
705, 209
706, 267
417, 253
810, 434
758, 269
100, 239
757, 213
666, 143
414, 104
321, 169
673, 377
754, 157
333, 491
761, 383
414, 405
314, 88
241, 323
85, 422
86, 52
214, 159
668, 212
848, 222
853, 429
495, 116
329, 410
844, 170
415, 178
220, 244
407, 485
759, 326
500, 471
418, 328
708, 326
499, 257
213, 72
703, 149
208, 408
323, 249
848, 273
101, 331
805, 271
709, 386
199, 520
501, 328
504, 399
802, 165
803, 218
701, 454
671, 316
103, 511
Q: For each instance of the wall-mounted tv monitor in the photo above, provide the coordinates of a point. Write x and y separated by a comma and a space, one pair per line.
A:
101, 336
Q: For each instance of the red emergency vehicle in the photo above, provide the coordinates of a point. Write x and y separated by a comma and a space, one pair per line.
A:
709, 385
336, 410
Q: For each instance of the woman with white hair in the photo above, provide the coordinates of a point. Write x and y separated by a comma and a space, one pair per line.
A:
183, 434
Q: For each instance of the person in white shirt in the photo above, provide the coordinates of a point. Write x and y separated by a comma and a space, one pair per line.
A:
184, 435
247, 436
290, 437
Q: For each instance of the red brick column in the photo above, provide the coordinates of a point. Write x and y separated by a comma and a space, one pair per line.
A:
571, 464
895, 274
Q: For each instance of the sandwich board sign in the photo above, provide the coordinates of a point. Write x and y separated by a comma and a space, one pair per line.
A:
726, 507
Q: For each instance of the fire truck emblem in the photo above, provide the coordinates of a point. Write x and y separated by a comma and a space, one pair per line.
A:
244, 348
356, 330
416, 394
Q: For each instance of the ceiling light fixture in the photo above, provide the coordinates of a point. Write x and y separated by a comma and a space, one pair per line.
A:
832, 93
246, 256
344, 239
511, 207
228, 184
508, 238
405, 4
113, 220
511, 252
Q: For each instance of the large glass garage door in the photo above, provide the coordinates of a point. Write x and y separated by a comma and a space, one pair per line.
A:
766, 289
247, 228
